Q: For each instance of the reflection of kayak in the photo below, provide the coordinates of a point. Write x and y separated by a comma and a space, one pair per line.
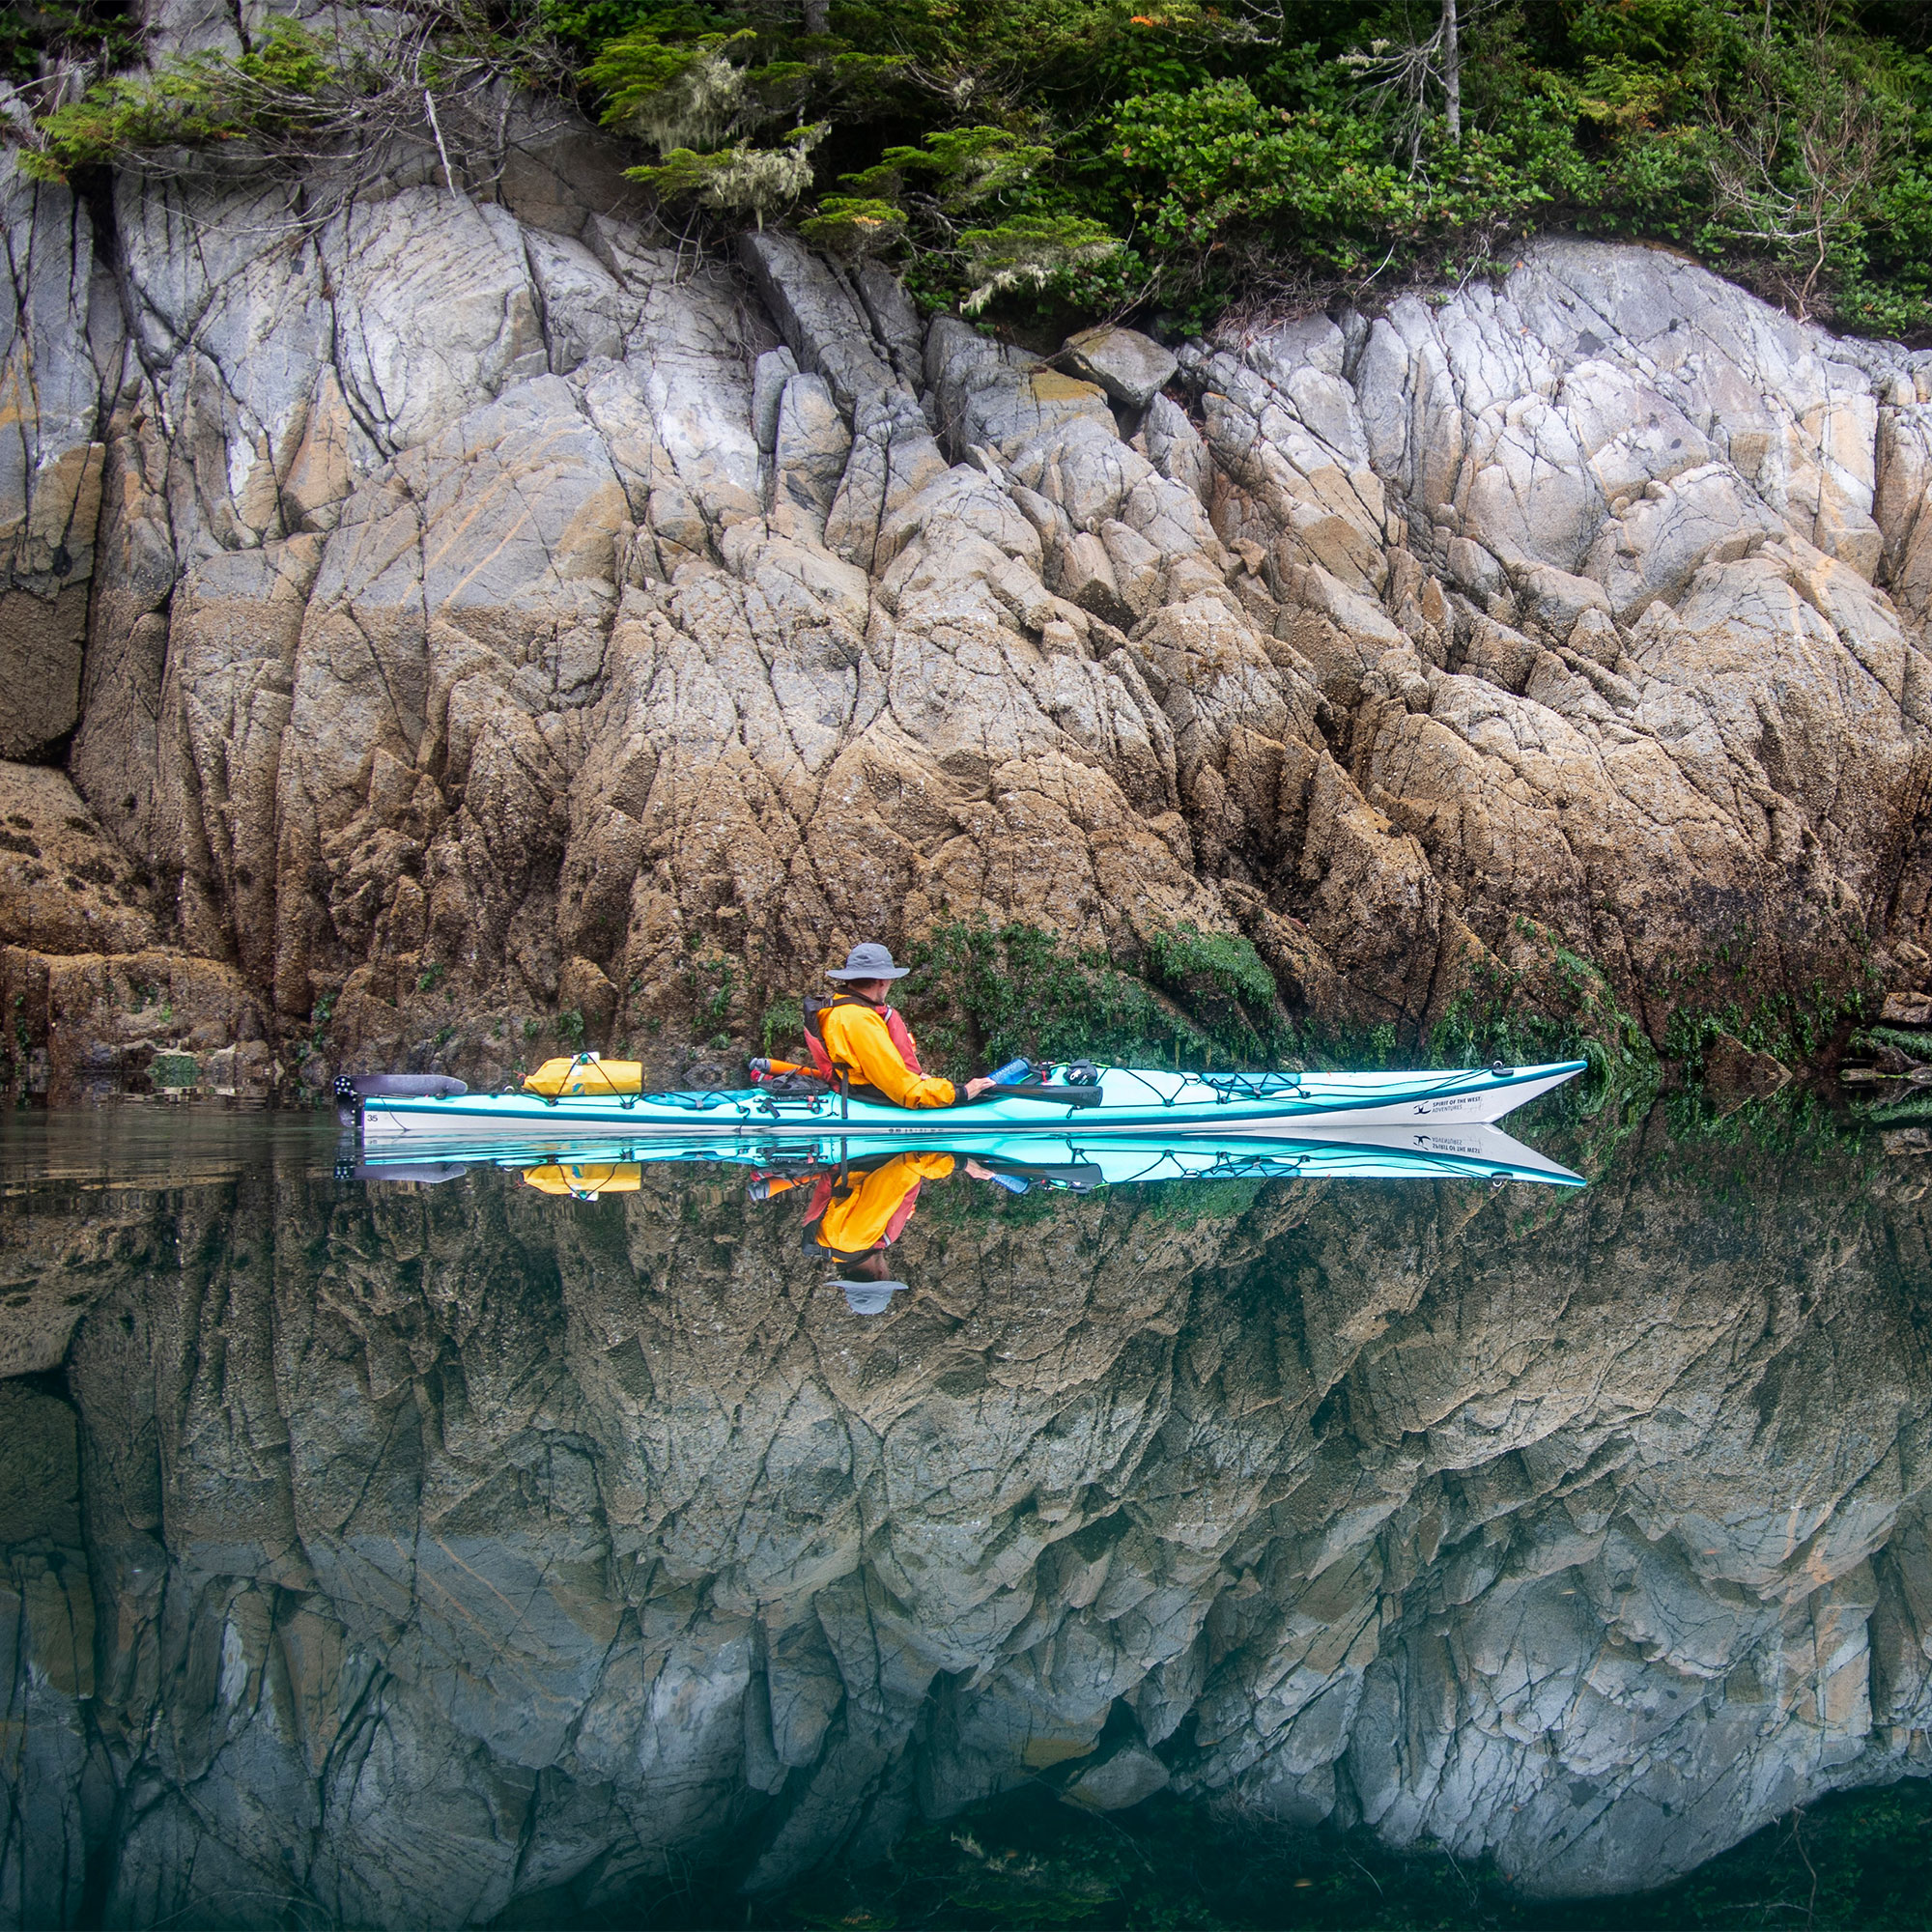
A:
584, 1165
1126, 1101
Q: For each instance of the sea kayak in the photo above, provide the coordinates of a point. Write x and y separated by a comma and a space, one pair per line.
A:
1124, 1100
587, 1166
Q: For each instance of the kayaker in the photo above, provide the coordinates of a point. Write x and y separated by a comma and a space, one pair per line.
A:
862, 1037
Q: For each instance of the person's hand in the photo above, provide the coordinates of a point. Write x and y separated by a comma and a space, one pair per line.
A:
977, 1172
974, 1088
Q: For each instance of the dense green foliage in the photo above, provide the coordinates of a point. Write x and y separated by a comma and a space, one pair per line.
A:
197, 100
91, 30
1190, 156
1231, 150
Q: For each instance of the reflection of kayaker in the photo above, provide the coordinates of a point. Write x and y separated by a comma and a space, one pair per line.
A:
860, 1209
869, 1287
850, 1215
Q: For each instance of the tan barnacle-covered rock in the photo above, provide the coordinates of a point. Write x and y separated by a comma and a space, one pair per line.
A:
450, 588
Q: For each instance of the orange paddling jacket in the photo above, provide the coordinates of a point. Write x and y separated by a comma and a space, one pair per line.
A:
873, 1047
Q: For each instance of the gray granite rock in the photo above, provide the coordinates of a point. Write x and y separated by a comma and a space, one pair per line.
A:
999, 397
895, 322
584, 311
820, 318
810, 448
774, 369
1131, 367
893, 457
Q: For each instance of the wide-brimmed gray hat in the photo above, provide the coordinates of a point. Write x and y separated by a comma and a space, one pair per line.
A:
870, 961
869, 1297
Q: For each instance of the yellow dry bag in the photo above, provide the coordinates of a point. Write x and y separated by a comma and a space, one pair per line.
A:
585, 1078
585, 1183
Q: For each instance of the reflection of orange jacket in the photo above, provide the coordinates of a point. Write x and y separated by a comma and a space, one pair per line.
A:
880, 1205
856, 1038
876, 1206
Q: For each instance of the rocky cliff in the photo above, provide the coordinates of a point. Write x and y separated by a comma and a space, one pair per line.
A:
410, 1556
431, 615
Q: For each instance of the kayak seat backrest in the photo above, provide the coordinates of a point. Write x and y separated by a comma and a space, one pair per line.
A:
405, 1086
815, 1007
794, 1085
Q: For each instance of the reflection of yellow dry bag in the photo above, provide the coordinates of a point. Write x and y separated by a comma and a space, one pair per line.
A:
586, 1181
585, 1078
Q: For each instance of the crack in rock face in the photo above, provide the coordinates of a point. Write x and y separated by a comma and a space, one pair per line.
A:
416, 1552
446, 605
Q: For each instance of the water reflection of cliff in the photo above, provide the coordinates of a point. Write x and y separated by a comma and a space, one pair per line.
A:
413, 1551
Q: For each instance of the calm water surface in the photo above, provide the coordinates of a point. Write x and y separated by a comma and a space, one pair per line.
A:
391, 1555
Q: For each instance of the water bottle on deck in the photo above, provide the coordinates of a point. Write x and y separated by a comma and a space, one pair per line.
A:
1012, 1073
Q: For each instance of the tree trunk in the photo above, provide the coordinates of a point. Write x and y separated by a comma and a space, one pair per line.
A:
1452, 74
817, 16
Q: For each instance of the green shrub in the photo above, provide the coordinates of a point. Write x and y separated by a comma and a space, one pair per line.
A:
981, 994
192, 100
783, 1024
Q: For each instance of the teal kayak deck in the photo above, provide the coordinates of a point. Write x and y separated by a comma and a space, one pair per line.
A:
1128, 1100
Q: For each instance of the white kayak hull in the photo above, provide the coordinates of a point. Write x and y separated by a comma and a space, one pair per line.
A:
1131, 1101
